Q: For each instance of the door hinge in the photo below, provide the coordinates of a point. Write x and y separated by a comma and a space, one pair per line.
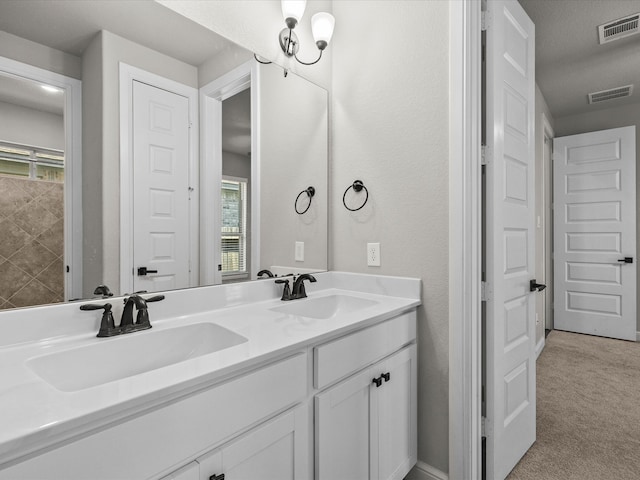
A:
485, 20
485, 292
485, 155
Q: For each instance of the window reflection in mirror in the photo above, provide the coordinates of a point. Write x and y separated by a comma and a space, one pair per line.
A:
236, 174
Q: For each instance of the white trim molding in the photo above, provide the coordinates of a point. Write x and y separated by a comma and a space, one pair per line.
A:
73, 165
465, 241
423, 471
637, 336
540, 346
211, 97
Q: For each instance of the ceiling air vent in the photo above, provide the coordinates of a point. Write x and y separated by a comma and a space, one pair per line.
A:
611, 94
623, 27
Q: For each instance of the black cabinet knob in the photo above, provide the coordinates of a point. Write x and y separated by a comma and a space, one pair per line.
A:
386, 376
377, 381
217, 477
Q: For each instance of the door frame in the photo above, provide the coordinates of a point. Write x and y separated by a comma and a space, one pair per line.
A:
72, 88
465, 242
128, 74
211, 97
547, 225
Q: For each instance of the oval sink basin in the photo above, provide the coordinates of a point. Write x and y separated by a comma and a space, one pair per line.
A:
324, 307
130, 354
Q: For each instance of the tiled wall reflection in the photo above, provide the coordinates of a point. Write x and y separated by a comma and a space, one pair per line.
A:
31, 242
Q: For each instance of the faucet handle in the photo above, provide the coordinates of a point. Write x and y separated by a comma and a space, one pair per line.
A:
157, 298
286, 292
107, 325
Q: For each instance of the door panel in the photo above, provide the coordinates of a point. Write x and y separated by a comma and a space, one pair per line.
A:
344, 452
510, 237
394, 406
161, 230
594, 228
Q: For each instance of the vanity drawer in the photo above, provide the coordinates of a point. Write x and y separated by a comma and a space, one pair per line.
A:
157, 442
337, 359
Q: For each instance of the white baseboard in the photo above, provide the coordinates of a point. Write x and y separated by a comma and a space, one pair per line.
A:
422, 471
540, 347
637, 336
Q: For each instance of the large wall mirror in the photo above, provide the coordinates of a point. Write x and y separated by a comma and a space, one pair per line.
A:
253, 143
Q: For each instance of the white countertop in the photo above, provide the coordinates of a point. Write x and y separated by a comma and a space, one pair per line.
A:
35, 415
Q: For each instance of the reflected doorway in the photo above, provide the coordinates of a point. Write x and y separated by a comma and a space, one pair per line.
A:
32, 182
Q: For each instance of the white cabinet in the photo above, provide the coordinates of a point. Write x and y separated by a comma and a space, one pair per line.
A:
273, 451
365, 426
188, 472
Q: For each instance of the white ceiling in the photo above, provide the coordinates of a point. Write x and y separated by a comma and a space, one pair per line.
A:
69, 26
29, 94
570, 63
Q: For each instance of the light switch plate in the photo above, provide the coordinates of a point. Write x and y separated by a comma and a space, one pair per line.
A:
299, 252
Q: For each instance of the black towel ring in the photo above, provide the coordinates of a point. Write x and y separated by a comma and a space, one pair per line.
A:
310, 193
357, 187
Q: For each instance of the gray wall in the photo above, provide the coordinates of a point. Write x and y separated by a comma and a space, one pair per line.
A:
92, 121
116, 49
293, 153
389, 128
27, 126
32, 53
544, 236
622, 116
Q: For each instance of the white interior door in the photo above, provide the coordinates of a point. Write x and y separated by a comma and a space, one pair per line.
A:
161, 220
594, 231
510, 237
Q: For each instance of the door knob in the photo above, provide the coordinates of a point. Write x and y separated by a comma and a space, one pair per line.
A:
142, 271
533, 286
626, 260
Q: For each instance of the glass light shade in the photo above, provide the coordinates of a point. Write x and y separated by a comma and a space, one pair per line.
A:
322, 27
293, 9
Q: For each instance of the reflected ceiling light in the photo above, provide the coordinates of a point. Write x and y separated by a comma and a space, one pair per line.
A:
322, 25
50, 89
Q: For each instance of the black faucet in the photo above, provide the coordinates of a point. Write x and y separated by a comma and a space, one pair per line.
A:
142, 318
127, 325
103, 290
298, 291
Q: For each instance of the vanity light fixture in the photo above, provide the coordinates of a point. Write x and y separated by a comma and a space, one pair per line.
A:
322, 24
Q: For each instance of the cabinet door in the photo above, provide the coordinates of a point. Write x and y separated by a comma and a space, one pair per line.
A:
394, 416
273, 451
342, 429
188, 472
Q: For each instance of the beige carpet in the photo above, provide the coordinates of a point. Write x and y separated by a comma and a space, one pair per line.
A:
588, 412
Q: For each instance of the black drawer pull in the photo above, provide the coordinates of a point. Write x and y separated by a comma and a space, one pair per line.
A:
386, 376
377, 381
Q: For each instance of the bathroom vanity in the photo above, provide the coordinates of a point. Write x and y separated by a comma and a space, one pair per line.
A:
230, 383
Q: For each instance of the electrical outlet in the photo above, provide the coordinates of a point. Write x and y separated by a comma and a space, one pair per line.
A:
299, 252
373, 254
